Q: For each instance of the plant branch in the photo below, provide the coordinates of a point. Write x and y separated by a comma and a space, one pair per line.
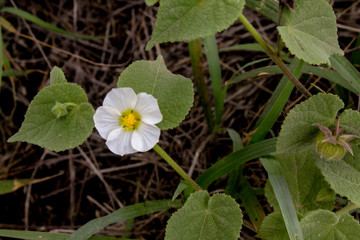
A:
274, 57
176, 167
347, 209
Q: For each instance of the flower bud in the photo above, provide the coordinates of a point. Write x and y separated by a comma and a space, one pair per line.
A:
328, 150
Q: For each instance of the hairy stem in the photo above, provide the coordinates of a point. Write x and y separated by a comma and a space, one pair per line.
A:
347, 209
274, 57
176, 167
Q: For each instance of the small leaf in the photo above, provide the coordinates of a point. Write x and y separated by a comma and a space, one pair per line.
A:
180, 20
42, 127
297, 132
182, 186
273, 227
57, 76
310, 31
174, 93
327, 225
151, 2
203, 217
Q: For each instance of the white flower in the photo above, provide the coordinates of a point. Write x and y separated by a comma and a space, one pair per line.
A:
127, 121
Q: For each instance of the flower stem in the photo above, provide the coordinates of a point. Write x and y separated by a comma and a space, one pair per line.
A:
274, 57
347, 209
176, 167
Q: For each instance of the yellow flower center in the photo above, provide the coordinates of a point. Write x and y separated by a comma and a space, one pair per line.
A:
130, 120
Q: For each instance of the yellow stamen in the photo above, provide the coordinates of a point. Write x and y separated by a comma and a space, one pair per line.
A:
128, 121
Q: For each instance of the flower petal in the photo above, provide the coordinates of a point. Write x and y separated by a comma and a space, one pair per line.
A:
121, 99
145, 137
119, 142
148, 108
106, 120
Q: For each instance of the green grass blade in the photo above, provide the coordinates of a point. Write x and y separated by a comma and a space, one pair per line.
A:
212, 56
256, 72
122, 214
284, 198
236, 139
46, 25
347, 71
330, 75
32, 235
195, 49
236, 159
16, 73
251, 204
276, 104
355, 56
1, 56
244, 47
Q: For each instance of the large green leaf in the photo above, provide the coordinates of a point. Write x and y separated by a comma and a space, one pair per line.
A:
174, 93
58, 118
310, 31
317, 225
321, 225
203, 217
307, 186
297, 132
179, 20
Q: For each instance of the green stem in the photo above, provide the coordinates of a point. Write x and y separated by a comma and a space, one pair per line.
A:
274, 57
176, 167
347, 209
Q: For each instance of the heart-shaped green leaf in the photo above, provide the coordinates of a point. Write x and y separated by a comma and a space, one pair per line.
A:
174, 93
327, 225
310, 31
180, 20
58, 118
203, 217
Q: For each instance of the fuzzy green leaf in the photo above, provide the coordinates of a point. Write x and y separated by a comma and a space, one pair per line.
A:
327, 225
310, 31
57, 76
180, 20
344, 175
203, 217
273, 227
297, 132
57, 133
174, 93
307, 186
